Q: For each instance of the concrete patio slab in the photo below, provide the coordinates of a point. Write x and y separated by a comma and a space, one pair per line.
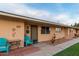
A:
49, 50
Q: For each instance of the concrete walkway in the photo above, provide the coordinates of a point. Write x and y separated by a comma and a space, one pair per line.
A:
49, 50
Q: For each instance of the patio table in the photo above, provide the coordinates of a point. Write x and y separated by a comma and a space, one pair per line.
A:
14, 43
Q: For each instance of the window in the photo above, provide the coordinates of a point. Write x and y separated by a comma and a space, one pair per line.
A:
58, 29
45, 30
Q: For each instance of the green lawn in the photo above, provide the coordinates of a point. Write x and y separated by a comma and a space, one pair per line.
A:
71, 51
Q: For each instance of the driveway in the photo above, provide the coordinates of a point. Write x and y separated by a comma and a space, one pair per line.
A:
49, 50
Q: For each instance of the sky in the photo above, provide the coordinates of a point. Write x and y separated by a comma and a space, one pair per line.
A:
65, 13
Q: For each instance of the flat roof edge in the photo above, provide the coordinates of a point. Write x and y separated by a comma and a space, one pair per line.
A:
33, 19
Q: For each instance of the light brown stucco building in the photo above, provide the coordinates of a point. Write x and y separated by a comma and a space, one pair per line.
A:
38, 30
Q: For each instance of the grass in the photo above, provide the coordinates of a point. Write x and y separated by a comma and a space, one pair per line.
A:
71, 51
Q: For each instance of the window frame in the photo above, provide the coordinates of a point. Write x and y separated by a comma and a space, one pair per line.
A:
45, 30
58, 29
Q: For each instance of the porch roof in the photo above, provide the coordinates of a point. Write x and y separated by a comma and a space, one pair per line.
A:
34, 19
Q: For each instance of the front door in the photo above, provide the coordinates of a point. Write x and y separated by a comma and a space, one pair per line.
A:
34, 34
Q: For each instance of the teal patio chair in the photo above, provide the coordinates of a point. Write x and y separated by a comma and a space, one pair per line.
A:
4, 45
27, 40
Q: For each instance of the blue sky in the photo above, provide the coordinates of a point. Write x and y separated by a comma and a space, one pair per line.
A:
57, 12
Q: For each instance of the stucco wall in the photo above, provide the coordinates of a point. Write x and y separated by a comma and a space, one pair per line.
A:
71, 32
65, 33
46, 37
77, 31
7, 29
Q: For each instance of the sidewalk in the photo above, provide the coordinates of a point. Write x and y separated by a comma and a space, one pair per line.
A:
49, 50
